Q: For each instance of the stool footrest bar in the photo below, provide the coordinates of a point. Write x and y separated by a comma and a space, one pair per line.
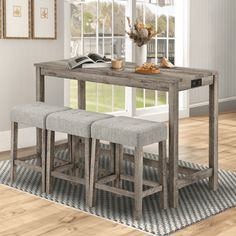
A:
114, 190
107, 179
64, 167
156, 189
28, 166
67, 177
196, 177
28, 158
145, 182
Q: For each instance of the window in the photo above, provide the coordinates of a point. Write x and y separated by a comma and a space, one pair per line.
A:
99, 26
162, 16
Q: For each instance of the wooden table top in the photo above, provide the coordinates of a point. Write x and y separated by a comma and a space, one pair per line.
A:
186, 78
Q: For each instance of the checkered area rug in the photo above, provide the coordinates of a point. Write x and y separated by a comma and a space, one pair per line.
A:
195, 204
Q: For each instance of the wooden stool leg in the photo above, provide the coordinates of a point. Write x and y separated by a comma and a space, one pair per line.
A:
69, 138
93, 172
121, 163
76, 150
138, 182
163, 179
14, 142
112, 157
71, 154
118, 165
80, 149
39, 145
50, 160
43, 159
87, 154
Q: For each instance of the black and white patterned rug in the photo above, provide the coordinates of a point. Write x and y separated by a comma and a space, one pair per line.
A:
196, 201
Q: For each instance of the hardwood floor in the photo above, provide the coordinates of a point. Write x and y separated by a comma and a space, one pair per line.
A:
24, 214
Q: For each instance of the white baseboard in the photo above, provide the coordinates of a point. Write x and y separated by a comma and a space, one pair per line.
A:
163, 117
201, 104
26, 138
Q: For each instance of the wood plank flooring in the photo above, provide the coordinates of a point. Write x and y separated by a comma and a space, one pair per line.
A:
24, 214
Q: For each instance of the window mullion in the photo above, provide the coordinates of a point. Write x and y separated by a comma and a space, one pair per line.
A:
97, 97
112, 51
112, 28
97, 50
103, 36
144, 98
156, 98
167, 36
82, 29
113, 98
156, 28
97, 27
130, 99
156, 42
130, 93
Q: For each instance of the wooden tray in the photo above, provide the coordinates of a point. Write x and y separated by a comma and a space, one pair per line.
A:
153, 72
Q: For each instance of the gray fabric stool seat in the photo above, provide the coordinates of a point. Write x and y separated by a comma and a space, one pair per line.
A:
75, 123
33, 115
130, 132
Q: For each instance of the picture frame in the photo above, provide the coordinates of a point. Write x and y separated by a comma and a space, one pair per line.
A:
16, 19
44, 19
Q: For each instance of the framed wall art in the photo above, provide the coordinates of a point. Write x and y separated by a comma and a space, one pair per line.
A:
16, 19
44, 19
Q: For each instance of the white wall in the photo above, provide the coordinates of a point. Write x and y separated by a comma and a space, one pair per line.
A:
212, 44
17, 72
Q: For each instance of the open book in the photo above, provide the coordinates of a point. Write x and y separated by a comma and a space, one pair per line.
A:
92, 60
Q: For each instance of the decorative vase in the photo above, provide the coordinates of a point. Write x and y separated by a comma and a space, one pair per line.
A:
141, 55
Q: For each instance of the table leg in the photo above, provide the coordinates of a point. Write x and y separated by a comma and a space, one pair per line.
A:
81, 105
82, 95
40, 97
213, 133
173, 144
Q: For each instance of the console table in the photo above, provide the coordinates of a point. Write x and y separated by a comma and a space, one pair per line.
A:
172, 81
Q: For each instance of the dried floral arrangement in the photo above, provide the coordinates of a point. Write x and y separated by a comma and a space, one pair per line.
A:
140, 32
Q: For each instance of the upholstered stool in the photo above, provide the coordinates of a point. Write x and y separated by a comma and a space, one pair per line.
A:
76, 123
33, 115
130, 132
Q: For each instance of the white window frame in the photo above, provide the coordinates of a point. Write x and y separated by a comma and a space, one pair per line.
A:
160, 112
